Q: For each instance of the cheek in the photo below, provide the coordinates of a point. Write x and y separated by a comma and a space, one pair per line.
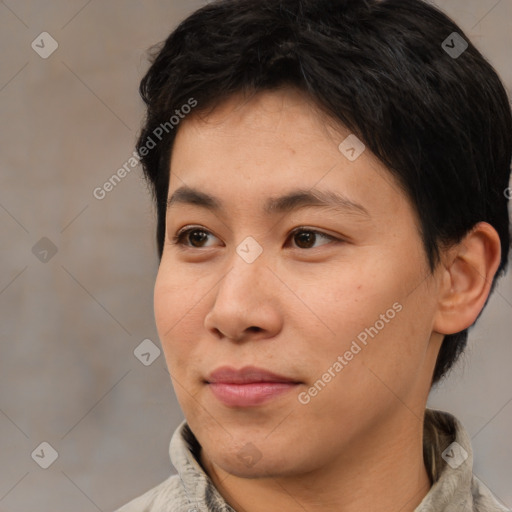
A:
174, 309
176, 297
347, 301
166, 306
370, 314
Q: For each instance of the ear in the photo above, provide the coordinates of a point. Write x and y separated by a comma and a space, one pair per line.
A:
467, 272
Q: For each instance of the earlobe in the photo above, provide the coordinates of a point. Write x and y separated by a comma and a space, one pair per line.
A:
467, 275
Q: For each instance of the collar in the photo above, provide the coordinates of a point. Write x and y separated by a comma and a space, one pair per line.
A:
202, 495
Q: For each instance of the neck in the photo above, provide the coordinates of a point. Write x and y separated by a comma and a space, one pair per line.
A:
380, 472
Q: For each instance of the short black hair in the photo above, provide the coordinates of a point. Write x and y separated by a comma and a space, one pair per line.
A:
391, 71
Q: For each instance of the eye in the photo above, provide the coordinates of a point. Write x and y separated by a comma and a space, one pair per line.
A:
196, 234
306, 236
194, 237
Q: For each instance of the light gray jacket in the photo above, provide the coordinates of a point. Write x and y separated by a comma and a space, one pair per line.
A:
447, 450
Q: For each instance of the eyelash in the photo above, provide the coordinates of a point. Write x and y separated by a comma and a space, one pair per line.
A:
182, 233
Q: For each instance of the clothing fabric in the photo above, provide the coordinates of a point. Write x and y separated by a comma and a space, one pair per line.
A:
447, 453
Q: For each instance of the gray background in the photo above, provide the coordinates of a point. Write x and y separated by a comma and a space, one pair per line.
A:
69, 327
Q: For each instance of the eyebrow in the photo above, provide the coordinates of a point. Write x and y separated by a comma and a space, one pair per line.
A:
293, 200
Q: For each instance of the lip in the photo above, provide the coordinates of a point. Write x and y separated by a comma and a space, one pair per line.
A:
246, 375
249, 386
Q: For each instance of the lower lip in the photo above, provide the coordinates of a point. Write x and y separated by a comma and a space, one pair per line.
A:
246, 395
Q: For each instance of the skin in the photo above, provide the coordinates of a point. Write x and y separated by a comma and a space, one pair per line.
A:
357, 444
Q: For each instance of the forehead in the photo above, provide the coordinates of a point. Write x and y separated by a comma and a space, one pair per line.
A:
259, 148
262, 113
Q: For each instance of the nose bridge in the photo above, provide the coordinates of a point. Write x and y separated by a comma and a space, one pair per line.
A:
241, 300
247, 266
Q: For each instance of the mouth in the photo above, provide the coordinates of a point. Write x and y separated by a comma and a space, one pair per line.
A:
249, 386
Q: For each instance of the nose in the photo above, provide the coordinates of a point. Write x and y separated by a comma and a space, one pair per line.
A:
246, 303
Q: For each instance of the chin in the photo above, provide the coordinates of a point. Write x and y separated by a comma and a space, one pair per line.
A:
243, 467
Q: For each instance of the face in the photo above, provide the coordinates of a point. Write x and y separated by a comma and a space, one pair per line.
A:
337, 300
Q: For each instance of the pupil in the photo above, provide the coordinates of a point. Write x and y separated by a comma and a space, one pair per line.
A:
307, 237
199, 234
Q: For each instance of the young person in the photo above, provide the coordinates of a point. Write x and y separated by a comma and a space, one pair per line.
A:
330, 178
